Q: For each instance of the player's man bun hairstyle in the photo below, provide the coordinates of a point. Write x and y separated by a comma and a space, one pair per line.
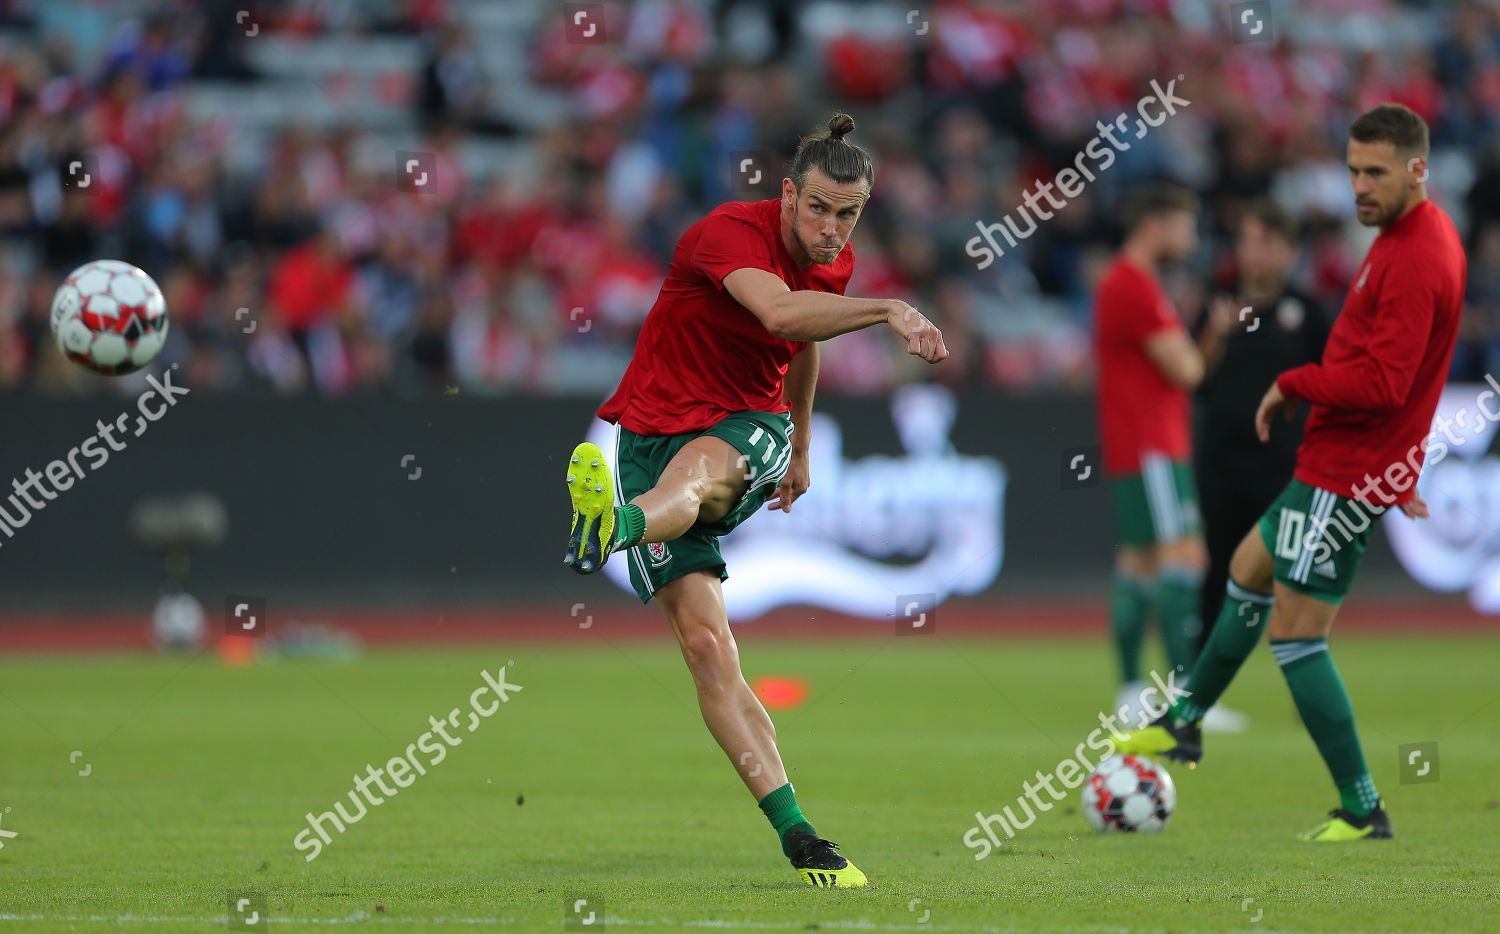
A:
836, 157
1395, 124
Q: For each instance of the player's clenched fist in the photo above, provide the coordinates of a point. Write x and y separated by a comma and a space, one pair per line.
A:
922, 337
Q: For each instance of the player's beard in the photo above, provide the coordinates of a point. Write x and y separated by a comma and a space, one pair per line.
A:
797, 235
1384, 216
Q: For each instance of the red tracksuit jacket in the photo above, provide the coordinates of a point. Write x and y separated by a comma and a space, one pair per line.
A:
1374, 394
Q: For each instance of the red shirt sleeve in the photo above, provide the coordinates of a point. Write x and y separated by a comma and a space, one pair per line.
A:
1379, 373
728, 243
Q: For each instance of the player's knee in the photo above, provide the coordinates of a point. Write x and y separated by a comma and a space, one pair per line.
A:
1251, 565
1298, 616
1293, 625
710, 655
687, 480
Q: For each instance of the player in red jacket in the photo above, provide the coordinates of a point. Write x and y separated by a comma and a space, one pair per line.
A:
713, 416
1372, 399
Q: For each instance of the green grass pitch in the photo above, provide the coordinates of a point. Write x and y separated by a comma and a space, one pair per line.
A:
599, 781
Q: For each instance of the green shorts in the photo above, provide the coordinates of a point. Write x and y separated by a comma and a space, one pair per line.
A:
1159, 504
1317, 539
764, 443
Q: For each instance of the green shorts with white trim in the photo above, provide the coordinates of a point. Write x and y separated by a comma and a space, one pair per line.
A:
1317, 539
1157, 505
764, 443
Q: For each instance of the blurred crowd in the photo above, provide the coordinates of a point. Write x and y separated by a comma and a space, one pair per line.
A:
296, 261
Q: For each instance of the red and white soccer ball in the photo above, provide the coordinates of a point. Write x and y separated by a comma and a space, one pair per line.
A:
109, 317
1129, 793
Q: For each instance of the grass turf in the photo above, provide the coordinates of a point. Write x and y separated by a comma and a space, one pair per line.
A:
599, 781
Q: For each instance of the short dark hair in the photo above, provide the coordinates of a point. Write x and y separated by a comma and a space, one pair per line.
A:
1275, 218
1154, 201
1395, 124
836, 157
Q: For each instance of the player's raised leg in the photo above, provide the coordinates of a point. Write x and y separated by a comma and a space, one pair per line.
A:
701, 483
694, 604
1183, 563
1244, 616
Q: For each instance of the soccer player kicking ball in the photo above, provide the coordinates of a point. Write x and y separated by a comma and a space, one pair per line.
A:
713, 416
1372, 398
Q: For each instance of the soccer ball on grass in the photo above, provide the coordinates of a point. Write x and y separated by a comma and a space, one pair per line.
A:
1130, 793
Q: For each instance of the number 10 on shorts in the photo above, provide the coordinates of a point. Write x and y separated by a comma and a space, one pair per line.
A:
1289, 534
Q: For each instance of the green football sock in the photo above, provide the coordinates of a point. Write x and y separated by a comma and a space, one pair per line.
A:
1329, 717
630, 526
1130, 600
780, 808
1244, 617
1177, 595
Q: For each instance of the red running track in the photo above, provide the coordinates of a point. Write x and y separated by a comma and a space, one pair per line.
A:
113, 632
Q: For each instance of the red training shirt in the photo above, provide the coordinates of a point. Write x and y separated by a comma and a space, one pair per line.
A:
1139, 410
701, 355
1374, 394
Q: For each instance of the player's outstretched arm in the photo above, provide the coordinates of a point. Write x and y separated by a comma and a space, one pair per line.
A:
814, 316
